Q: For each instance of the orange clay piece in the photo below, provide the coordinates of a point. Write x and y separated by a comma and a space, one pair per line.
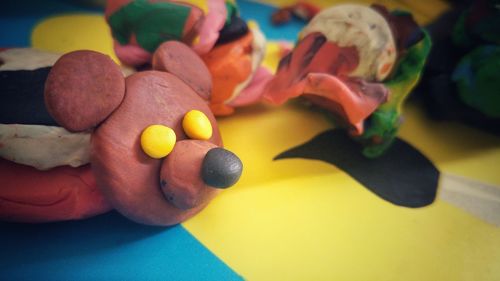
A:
230, 64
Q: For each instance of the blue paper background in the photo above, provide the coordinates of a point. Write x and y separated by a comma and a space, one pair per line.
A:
107, 247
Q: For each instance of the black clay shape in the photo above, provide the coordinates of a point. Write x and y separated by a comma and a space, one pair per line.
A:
221, 168
402, 176
22, 97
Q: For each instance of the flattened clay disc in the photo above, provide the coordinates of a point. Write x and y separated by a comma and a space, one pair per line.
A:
82, 89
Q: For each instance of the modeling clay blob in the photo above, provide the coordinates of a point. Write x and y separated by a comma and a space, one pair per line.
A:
363, 28
231, 49
157, 141
196, 125
359, 63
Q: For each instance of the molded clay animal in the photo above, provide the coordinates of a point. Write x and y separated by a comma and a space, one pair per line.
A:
155, 149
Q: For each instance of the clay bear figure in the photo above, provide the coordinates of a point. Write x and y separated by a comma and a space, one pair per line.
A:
136, 122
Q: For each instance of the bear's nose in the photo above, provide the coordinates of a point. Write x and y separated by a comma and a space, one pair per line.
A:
221, 168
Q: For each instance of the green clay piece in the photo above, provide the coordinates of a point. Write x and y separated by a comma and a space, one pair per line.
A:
459, 35
231, 11
385, 121
477, 76
152, 23
486, 29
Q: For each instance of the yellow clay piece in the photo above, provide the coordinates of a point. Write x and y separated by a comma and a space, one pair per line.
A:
196, 125
157, 141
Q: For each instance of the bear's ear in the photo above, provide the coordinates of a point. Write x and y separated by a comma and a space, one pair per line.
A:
178, 59
82, 89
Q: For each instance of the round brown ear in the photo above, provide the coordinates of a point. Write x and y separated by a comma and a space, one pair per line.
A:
82, 89
178, 59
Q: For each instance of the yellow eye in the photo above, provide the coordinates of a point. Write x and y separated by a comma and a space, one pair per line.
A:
196, 125
157, 141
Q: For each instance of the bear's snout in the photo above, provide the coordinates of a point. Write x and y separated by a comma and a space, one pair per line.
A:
195, 171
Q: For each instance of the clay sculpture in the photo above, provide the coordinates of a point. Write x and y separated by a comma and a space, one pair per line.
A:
359, 63
155, 149
232, 49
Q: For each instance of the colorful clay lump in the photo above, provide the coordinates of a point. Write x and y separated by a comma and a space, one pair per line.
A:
231, 49
460, 80
359, 63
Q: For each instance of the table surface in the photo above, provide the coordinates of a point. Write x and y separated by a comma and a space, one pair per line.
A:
292, 219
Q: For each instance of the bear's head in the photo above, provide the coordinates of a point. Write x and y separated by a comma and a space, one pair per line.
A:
155, 148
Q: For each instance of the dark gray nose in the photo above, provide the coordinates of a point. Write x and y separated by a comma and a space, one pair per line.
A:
221, 168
